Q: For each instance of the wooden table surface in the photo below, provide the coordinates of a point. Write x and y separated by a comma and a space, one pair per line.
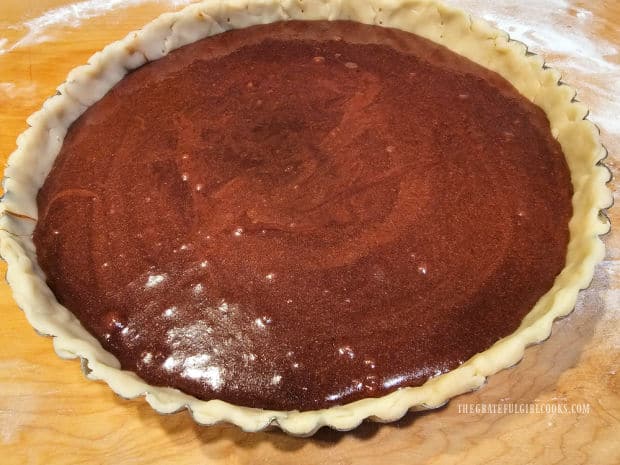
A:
49, 413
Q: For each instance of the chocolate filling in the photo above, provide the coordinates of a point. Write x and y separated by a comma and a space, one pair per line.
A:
303, 214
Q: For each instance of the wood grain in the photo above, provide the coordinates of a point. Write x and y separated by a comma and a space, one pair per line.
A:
50, 414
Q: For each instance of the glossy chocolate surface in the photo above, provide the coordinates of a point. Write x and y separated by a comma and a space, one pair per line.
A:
301, 215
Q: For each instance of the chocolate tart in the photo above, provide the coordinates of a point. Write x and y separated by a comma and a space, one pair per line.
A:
304, 213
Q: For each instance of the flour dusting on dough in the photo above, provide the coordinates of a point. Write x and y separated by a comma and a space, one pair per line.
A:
563, 34
72, 16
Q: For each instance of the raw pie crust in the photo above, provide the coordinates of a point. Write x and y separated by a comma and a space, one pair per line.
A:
38, 146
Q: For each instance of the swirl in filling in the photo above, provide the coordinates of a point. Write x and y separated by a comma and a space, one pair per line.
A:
299, 215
